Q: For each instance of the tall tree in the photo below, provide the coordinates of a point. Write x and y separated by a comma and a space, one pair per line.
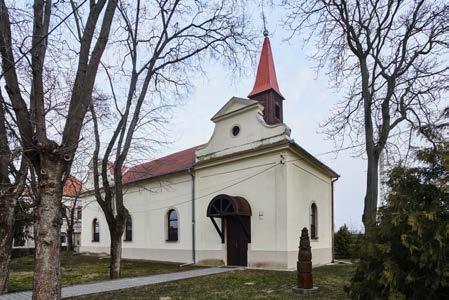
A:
50, 153
12, 180
162, 43
391, 57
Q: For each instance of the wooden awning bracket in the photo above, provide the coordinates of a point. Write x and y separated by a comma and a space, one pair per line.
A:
220, 232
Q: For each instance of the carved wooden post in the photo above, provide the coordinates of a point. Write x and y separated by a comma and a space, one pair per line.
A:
304, 264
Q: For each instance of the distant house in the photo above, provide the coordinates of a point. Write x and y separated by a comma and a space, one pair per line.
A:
240, 199
71, 193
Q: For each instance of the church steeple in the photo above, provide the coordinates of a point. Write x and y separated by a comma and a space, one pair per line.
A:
266, 89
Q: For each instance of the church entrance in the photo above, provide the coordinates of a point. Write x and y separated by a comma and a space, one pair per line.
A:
235, 229
237, 241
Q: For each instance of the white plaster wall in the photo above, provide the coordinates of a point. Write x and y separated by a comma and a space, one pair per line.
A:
254, 132
306, 185
91, 210
148, 203
261, 180
280, 195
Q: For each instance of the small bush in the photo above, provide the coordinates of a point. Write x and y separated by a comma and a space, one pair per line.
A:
343, 243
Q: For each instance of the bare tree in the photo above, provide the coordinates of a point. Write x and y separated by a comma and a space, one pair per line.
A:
12, 180
391, 57
49, 153
74, 184
161, 44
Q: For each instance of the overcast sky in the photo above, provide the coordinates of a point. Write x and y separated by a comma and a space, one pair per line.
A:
309, 101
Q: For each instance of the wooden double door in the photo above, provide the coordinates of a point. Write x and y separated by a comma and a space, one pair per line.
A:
238, 233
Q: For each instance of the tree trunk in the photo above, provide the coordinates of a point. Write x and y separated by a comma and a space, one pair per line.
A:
47, 231
116, 252
372, 184
7, 203
70, 239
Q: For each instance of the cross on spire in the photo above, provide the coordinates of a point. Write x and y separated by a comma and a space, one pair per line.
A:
265, 30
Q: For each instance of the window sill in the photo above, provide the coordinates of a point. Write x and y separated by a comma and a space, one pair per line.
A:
171, 241
95, 241
127, 241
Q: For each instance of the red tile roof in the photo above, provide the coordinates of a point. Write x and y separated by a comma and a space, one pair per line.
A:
266, 74
72, 187
172, 163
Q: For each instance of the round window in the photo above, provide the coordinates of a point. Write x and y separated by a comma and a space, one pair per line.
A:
235, 130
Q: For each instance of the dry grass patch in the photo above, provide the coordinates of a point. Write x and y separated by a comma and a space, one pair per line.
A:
76, 269
248, 284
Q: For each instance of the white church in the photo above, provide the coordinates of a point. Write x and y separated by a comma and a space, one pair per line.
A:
241, 199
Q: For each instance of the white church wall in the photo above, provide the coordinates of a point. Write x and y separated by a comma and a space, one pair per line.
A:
279, 188
148, 203
253, 131
266, 192
261, 181
306, 185
91, 211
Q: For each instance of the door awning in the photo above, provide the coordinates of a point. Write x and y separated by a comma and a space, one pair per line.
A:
224, 205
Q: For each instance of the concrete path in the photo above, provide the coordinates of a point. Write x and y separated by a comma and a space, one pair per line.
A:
124, 283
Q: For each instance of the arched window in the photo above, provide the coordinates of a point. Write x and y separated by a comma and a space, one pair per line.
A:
95, 231
313, 222
129, 230
172, 218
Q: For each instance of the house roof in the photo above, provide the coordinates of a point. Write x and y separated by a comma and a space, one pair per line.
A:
72, 187
266, 73
169, 164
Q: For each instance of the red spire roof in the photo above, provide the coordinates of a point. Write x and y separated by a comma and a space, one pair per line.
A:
266, 74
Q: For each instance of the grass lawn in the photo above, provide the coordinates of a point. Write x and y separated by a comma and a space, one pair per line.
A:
86, 268
248, 284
